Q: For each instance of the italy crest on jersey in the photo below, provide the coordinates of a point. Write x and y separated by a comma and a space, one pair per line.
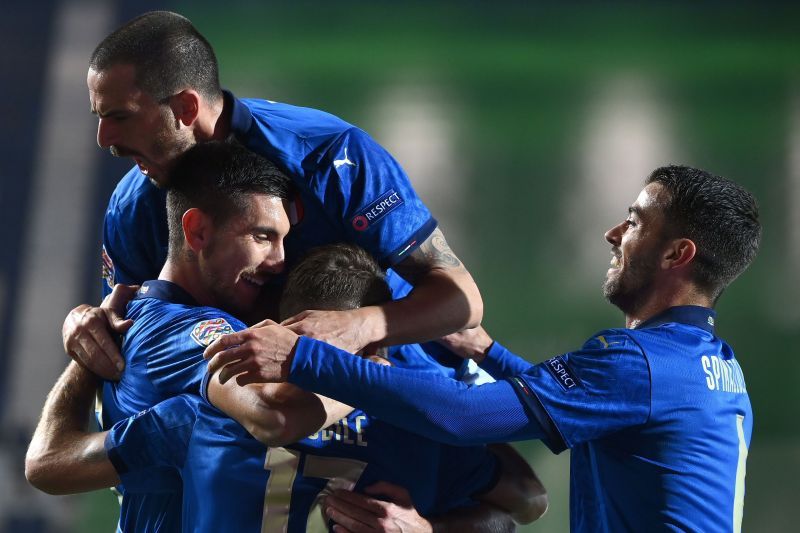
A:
207, 331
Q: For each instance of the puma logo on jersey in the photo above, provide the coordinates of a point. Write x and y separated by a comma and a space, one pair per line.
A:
341, 162
606, 344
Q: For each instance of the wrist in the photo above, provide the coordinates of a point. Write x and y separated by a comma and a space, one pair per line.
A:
373, 324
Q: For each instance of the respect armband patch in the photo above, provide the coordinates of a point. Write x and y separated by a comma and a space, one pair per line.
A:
376, 210
562, 373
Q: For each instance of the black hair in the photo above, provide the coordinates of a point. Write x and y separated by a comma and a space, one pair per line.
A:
216, 177
334, 277
718, 215
167, 53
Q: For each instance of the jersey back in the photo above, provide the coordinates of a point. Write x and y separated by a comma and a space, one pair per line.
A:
163, 354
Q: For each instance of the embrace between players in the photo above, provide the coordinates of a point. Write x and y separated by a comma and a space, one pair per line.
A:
227, 194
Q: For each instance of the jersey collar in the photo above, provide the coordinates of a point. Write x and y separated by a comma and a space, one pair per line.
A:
165, 290
241, 118
694, 315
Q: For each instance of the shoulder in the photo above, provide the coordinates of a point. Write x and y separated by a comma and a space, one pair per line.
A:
303, 121
167, 320
133, 190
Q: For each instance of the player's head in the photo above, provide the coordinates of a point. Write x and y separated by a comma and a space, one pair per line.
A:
686, 222
147, 82
227, 218
334, 277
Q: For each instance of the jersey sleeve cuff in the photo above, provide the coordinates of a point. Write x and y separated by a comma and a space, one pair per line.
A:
501, 363
553, 438
411, 244
113, 455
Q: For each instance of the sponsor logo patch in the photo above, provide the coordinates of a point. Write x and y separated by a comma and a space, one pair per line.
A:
562, 373
207, 331
107, 268
376, 210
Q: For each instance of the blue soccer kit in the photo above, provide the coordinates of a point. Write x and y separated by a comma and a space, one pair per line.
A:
163, 354
657, 418
234, 483
349, 189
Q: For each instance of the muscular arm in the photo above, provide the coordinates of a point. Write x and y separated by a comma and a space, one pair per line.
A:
519, 491
63, 457
444, 299
275, 414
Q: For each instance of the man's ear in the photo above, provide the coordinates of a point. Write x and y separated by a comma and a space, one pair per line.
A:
679, 253
185, 106
197, 227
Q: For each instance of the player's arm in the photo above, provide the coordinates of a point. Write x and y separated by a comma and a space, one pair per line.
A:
387, 507
275, 414
444, 299
494, 358
63, 457
518, 490
88, 332
423, 403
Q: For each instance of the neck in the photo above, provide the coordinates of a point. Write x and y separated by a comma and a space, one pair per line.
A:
184, 273
214, 122
661, 300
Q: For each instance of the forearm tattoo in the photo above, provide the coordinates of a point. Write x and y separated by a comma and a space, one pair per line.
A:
433, 253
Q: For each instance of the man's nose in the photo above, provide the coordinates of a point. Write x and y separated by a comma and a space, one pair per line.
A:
614, 235
105, 133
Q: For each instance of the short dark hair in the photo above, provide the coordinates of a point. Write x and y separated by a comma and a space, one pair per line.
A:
334, 277
216, 177
167, 52
718, 215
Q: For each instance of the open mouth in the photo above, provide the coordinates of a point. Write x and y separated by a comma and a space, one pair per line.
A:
615, 260
142, 168
252, 280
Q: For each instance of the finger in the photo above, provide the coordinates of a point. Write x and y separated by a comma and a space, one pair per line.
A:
340, 529
372, 506
225, 342
108, 348
265, 322
234, 369
395, 493
353, 517
227, 357
118, 323
92, 357
299, 328
296, 318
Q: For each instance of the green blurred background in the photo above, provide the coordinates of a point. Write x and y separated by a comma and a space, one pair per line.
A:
528, 129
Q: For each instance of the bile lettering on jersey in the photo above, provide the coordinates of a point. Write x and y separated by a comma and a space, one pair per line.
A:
723, 375
342, 431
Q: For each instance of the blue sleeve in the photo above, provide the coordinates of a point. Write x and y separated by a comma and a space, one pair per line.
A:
147, 449
421, 402
177, 366
134, 232
501, 363
590, 393
366, 190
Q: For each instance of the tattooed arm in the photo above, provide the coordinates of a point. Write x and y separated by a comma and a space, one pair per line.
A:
445, 299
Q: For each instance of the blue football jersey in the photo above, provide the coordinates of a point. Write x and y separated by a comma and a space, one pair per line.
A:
349, 189
658, 417
234, 483
163, 354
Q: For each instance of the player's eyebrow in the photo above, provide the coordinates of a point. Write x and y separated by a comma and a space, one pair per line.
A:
634, 210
